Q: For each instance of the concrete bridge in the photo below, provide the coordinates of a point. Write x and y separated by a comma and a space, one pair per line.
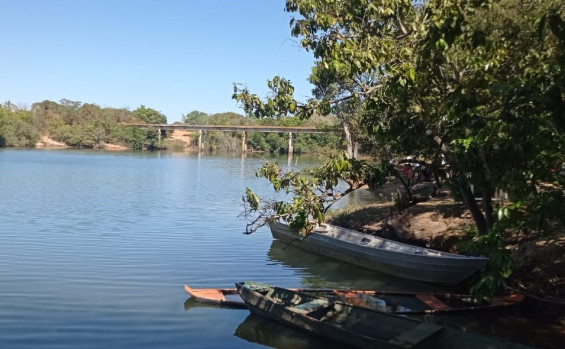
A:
242, 129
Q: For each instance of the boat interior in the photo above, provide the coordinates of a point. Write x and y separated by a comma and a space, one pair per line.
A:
379, 326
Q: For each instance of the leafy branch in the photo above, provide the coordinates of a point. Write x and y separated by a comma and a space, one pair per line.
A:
312, 192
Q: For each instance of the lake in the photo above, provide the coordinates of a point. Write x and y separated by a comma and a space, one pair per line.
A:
96, 247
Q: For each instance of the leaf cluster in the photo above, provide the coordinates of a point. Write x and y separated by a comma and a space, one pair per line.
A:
17, 127
310, 193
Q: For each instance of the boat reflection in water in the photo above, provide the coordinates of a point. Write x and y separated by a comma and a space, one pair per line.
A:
323, 272
255, 329
383, 255
191, 303
258, 330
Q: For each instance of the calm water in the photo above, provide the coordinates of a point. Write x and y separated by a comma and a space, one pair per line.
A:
96, 248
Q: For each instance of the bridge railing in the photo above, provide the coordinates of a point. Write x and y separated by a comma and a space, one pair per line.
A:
250, 128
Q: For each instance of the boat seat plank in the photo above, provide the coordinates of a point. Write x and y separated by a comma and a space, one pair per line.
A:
433, 302
416, 335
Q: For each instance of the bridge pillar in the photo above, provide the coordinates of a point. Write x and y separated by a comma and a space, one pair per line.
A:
290, 147
159, 136
244, 141
200, 146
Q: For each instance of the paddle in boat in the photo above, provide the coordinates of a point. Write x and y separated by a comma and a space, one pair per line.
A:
382, 255
391, 302
356, 326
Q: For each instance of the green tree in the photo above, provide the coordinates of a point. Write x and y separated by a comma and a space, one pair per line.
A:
195, 118
16, 127
228, 118
153, 141
313, 191
150, 116
46, 111
475, 87
439, 79
128, 135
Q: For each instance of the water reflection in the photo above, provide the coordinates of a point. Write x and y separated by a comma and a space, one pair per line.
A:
255, 329
355, 199
258, 330
192, 303
322, 272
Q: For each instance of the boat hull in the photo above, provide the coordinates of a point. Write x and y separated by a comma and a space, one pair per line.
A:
355, 326
269, 309
383, 255
391, 302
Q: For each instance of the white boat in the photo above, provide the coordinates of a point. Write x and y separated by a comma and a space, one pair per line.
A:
382, 255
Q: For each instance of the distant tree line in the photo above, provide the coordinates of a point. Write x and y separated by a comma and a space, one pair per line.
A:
85, 125
80, 125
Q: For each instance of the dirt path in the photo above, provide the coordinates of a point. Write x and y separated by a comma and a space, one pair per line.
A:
181, 135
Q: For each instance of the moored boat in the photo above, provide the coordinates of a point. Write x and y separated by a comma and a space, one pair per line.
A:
382, 255
392, 302
354, 325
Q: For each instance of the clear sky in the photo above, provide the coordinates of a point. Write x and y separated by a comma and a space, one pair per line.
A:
174, 56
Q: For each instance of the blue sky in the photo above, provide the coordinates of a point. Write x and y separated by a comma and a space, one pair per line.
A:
170, 55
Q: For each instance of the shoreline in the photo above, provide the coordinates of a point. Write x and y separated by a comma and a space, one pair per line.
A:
439, 223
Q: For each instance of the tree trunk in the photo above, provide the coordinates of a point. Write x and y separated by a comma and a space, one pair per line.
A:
487, 194
471, 203
406, 186
351, 144
437, 178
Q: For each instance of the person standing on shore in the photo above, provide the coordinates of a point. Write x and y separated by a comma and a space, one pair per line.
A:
408, 173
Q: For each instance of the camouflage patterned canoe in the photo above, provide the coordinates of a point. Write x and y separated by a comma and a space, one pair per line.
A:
391, 302
356, 326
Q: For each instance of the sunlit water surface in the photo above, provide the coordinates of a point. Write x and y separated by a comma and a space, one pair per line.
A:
96, 248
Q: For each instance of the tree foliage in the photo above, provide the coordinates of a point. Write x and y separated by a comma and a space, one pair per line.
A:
476, 87
77, 124
312, 191
150, 116
465, 81
17, 127
195, 117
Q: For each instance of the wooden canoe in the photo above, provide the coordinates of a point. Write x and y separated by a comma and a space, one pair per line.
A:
355, 326
382, 255
390, 302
